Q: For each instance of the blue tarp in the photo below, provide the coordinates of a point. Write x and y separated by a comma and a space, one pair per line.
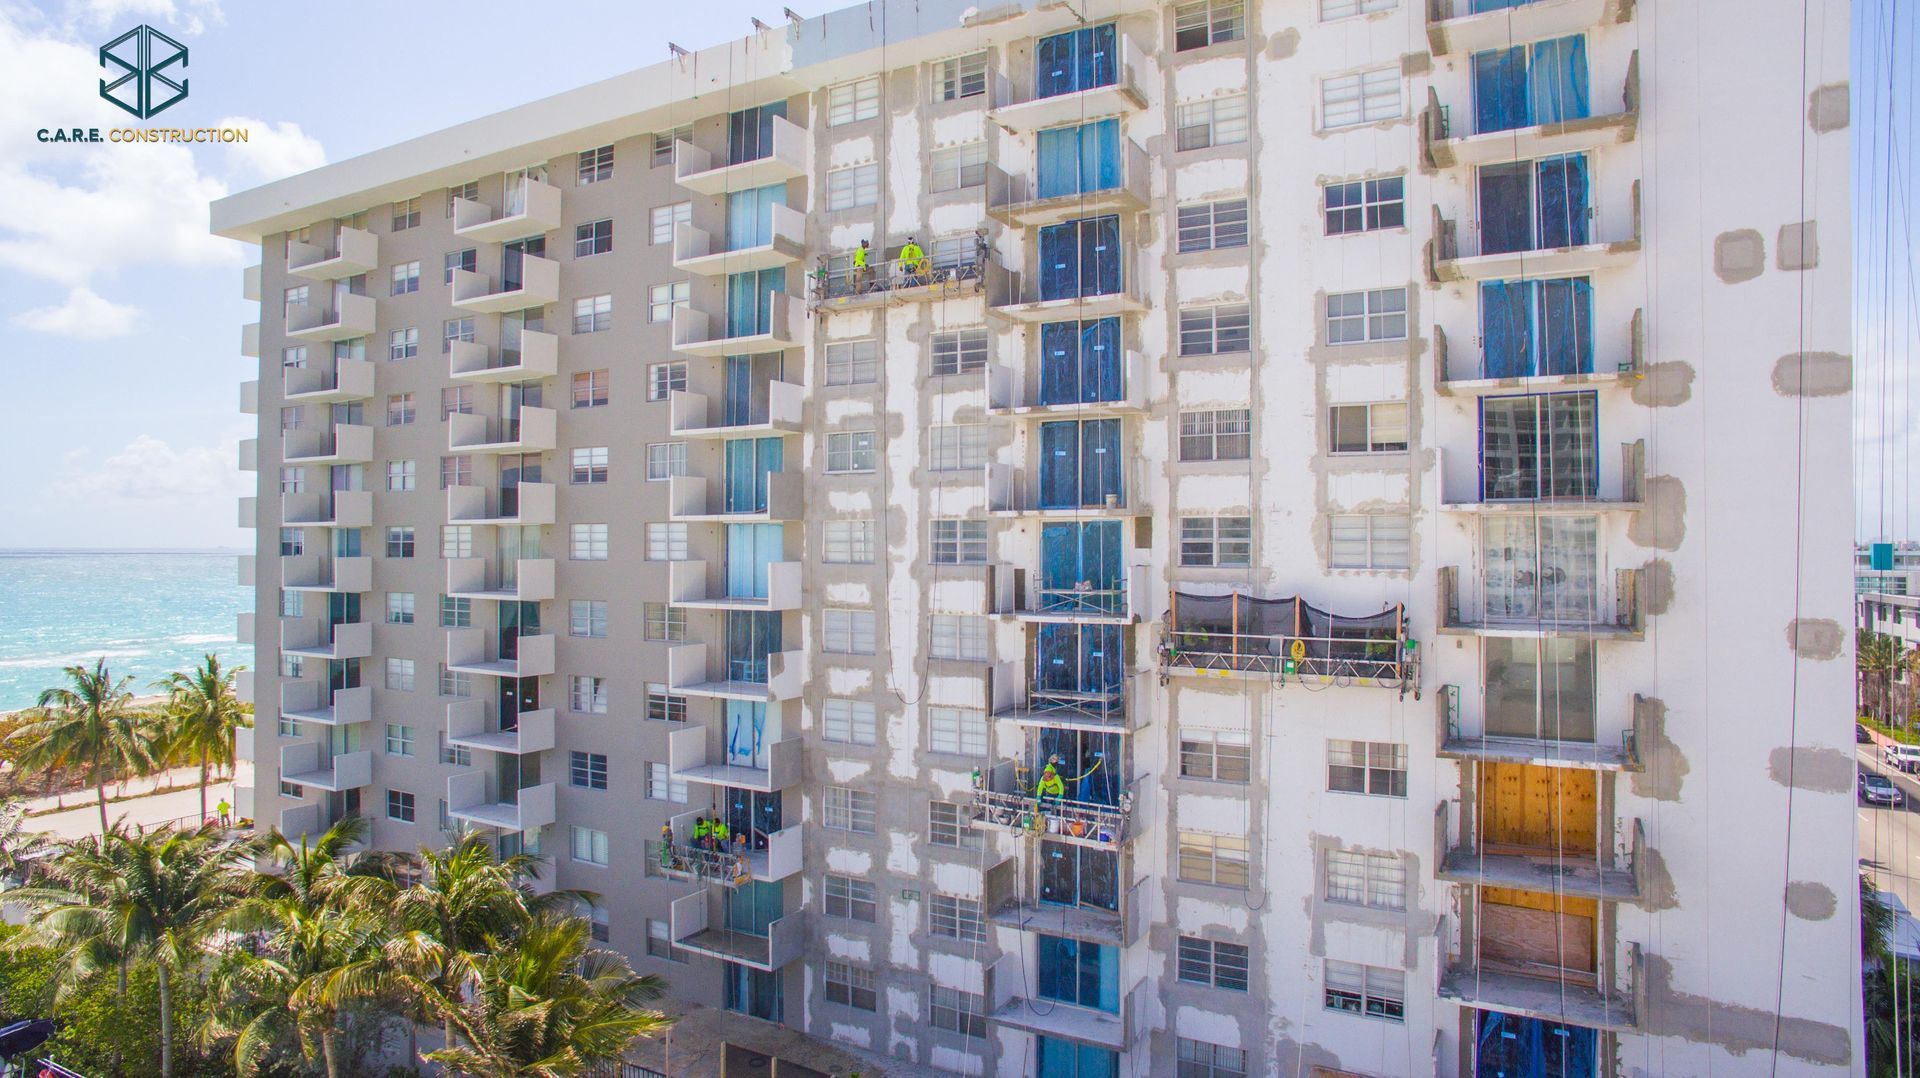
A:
1073, 875
1079, 463
1534, 205
1079, 160
1088, 762
1076, 60
1537, 327
1542, 83
1088, 553
1080, 362
1510, 1046
1080, 258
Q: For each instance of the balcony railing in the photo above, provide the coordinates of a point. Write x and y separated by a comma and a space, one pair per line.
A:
1065, 1021
534, 430
1453, 26
1585, 493
1463, 371
694, 922
1004, 797
1024, 908
250, 397
1028, 301
302, 764
532, 208
1453, 257
1123, 600
537, 357
1017, 199
759, 856
699, 755
472, 798
696, 498
1239, 635
693, 583
318, 638
691, 671
524, 580
1449, 143
1615, 873
470, 726
1015, 491
346, 443
355, 251
789, 156
343, 380
314, 701
695, 415
526, 503
327, 509
537, 285
480, 651
1588, 617
1458, 741
1024, 113
352, 317
1550, 995
325, 572
696, 251
700, 332
1017, 392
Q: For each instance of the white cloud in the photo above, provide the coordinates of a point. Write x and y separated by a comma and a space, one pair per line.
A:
85, 315
150, 470
271, 150
190, 17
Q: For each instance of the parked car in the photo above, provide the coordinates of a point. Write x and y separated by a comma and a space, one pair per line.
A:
1861, 736
1877, 789
1901, 757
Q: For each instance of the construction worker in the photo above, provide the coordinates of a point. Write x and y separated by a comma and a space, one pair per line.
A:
666, 845
702, 833
861, 273
913, 263
720, 834
1050, 787
224, 810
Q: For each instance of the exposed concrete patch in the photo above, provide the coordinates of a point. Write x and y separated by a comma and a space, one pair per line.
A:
1660, 893
1307, 1059
1656, 586
1739, 255
1828, 108
1284, 44
1821, 771
1799, 246
1813, 374
1673, 1013
1662, 524
1416, 63
1666, 767
1820, 639
1664, 385
1811, 901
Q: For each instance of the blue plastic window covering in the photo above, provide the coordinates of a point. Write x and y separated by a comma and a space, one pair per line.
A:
750, 217
1055, 1058
1530, 328
1080, 258
750, 132
1509, 1045
751, 813
750, 300
751, 548
752, 635
1076, 60
1080, 362
753, 906
1075, 553
1079, 463
1073, 875
1534, 205
748, 463
1497, 5
1089, 762
1542, 83
1080, 973
1563, 201
746, 733
1079, 160
1075, 658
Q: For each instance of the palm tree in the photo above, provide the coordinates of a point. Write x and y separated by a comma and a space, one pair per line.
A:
204, 714
1876, 657
90, 723
547, 1004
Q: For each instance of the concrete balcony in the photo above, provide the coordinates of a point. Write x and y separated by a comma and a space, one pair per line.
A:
250, 283
1123, 604
695, 584
472, 799
243, 625
243, 687
767, 858
1578, 874
699, 755
246, 570
701, 333
789, 157
532, 209
478, 651
696, 251
528, 503
1019, 703
243, 802
538, 357
250, 340
693, 415
1448, 145
302, 765
1065, 1021
354, 251
349, 380
690, 916
525, 580
1027, 302
1003, 800
310, 701
353, 318
694, 498
534, 431
249, 512
1465, 738
1022, 908
1562, 999
692, 672
1454, 27
1462, 372
1453, 257
347, 443
1621, 491
1622, 618
326, 573
249, 454
315, 638
250, 397
1014, 392
538, 286
1016, 201
327, 509
469, 726
1015, 492
1026, 115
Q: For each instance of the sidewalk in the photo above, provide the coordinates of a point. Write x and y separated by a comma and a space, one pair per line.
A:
80, 814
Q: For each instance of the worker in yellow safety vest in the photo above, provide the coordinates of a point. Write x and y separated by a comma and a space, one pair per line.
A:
702, 831
861, 274
913, 263
720, 834
1050, 786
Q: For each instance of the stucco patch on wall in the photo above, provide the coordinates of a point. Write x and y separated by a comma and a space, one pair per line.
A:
1811, 901
1664, 385
1828, 108
1283, 44
1662, 524
1739, 255
1813, 374
1819, 639
1666, 767
1673, 1013
1798, 247
1824, 771
1656, 586
1660, 892
1416, 63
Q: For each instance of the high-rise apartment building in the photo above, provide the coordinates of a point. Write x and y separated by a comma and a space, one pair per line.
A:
1271, 537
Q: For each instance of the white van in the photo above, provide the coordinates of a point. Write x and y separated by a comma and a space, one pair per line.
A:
1902, 757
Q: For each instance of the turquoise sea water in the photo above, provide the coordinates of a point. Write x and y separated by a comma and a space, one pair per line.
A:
148, 614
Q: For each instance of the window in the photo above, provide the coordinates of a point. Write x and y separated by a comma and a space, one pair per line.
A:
847, 542
660, 942
589, 542
662, 220
962, 76
455, 613
852, 363
1211, 331
293, 480
399, 608
1221, 435
958, 167
293, 604
595, 165
849, 188
666, 460
1219, 121
400, 675
1378, 315
851, 986
592, 314
959, 351
401, 474
1366, 879
664, 622
292, 418
399, 740
1366, 206
295, 357
1369, 540
848, 632
664, 379
1210, 858
589, 846
456, 400
590, 389
663, 706
456, 329
1209, 226
1219, 755
662, 786
959, 542
667, 542
947, 825
850, 898
958, 636
587, 770
400, 541
587, 617
1368, 97
1340, 9
956, 918
1378, 768
663, 298
848, 809
455, 755
849, 722
468, 260
957, 730
292, 666
469, 191
851, 102
406, 214
1367, 428
456, 540
1216, 542
590, 464
289, 728
587, 694
400, 806
957, 1011
957, 447
1208, 22
399, 409
406, 278
293, 542
592, 238
1201, 1059
1212, 963
663, 143
850, 452
403, 343
1367, 990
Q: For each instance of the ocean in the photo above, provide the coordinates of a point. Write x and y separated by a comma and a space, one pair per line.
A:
147, 613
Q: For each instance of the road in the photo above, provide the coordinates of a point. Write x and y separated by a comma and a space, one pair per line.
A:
1890, 837
177, 806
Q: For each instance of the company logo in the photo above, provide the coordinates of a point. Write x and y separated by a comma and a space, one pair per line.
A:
146, 58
